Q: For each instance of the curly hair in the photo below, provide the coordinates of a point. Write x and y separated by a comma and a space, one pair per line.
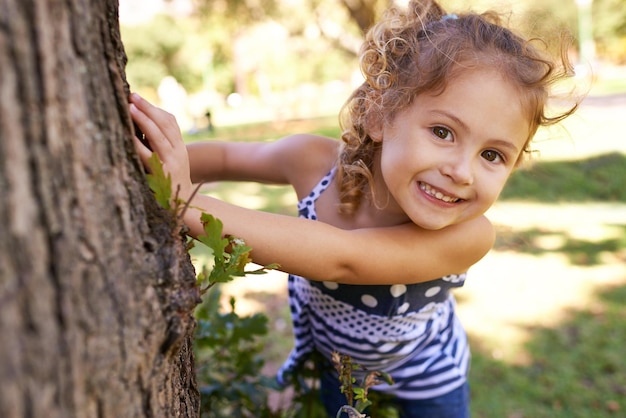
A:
420, 49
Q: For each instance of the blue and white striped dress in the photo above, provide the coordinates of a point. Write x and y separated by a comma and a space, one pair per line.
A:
409, 331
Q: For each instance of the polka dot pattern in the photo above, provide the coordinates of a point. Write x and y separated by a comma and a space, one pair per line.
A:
369, 300
403, 308
391, 300
306, 207
331, 285
355, 322
397, 290
432, 291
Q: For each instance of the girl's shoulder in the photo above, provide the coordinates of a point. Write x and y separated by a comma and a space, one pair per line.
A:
311, 157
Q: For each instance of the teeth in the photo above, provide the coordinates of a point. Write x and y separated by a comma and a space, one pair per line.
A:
437, 194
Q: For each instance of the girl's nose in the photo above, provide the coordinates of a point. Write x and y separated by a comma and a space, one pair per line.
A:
459, 169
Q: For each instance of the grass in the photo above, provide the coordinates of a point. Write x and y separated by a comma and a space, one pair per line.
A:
579, 252
545, 310
264, 131
599, 178
575, 369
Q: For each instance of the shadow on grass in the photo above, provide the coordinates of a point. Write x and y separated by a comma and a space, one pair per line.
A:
575, 370
596, 179
580, 252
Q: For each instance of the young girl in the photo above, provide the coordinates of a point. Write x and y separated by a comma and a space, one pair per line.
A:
391, 217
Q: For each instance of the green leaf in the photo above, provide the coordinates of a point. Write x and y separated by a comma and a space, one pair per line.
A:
359, 393
361, 406
160, 184
212, 236
226, 265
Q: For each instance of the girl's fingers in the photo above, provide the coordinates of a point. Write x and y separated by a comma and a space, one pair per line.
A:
164, 121
165, 139
143, 152
158, 142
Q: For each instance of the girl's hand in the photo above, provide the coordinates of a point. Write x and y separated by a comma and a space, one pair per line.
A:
163, 135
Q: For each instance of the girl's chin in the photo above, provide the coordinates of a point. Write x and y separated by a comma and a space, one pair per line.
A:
432, 225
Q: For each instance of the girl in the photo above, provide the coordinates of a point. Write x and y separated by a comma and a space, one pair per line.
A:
392, 216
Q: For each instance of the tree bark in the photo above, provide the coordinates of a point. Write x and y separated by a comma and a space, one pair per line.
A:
96, 288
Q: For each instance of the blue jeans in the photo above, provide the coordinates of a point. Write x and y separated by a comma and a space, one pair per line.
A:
454, 404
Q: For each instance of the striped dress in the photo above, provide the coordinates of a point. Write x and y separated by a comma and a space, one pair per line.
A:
409, 331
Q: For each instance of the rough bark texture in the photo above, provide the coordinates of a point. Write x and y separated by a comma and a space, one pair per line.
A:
96, 290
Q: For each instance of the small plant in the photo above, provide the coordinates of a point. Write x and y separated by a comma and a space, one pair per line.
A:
356, 394
227, 345
229, 362
227, 264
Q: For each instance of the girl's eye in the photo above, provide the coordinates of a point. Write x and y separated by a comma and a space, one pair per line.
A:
492, 156
442, 133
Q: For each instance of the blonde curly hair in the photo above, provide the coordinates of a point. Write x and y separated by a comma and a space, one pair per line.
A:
420, 49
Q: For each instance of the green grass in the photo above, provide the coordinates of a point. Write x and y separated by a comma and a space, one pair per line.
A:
600, 178
268, 131
575, 370
579, 252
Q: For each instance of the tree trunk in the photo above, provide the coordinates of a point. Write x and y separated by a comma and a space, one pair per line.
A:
96, 290
363, 12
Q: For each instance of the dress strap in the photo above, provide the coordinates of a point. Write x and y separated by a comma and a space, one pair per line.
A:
306, 207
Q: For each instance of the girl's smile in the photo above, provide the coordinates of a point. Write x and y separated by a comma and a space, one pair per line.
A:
437, 194
445, 158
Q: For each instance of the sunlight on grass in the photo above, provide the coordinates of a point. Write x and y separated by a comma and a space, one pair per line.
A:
574, 369
596, 233
507, 294
532, 279
264, 197
246, 195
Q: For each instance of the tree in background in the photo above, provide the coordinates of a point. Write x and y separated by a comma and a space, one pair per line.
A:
155, 48
234, 46
610, 29
96, 291
550, 19
249, 46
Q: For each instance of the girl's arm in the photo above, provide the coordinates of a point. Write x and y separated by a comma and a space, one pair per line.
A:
285, 161
318, 251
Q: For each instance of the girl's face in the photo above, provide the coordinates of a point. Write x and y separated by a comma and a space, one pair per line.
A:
445, 159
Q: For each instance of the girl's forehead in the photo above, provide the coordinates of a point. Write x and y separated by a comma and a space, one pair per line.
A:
483, 102
480, 82
484, 69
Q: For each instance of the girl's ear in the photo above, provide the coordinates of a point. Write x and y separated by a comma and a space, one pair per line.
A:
375, 128
376, 134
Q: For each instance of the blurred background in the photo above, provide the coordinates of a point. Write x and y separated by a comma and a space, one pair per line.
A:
260, 60
546, 309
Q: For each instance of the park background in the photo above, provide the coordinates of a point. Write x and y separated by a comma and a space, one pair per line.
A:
545, 309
